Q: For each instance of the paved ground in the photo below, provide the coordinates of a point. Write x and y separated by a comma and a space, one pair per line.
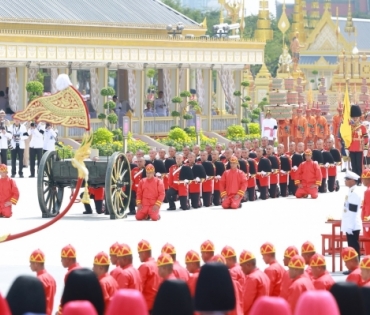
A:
283, 221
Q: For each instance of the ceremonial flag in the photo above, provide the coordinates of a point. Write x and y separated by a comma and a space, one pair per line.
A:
345, 127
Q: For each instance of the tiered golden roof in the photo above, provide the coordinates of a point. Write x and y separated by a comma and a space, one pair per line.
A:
263, 31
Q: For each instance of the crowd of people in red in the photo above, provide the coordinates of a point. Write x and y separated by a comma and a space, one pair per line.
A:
225, 284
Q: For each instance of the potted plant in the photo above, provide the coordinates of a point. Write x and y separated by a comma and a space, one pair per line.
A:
109, 106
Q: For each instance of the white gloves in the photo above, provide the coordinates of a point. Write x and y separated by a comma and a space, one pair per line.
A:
327, 165
282, 172
263, 173
197, 180
158, 174
186, 181
218, 177
349, 231
294, 168
207, 177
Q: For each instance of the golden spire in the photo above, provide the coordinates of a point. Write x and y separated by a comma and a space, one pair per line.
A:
327, 6
298, 21
221, 2
304, 13
315, 14
263, 32
349, 28
283, 23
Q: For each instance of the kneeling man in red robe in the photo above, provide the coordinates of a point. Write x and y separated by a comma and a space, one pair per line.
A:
149, 196
9, 193
308, 177
233, 185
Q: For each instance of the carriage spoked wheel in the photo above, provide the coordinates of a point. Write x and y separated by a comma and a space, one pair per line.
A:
50, 195
118, 186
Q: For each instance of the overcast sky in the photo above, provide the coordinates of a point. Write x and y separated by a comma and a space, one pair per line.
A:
253, 5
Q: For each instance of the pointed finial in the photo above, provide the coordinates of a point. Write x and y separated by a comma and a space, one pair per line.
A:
349, 28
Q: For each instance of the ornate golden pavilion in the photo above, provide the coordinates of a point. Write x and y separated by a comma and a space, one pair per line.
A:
65, 36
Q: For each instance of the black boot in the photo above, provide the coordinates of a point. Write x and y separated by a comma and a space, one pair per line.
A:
88, 209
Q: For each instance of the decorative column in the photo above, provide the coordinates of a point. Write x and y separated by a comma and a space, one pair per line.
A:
13, 89
238, 82
54, 75
132, 89
94, 89
73, 77
208, 91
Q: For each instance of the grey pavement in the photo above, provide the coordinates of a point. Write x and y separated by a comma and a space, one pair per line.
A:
282, 221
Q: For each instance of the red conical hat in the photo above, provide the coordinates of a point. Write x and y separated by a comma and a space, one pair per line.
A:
228, 252
297, 262
68, 252
308, 247
101, 259
267, 248
164, 259
168, 249
348, 253
123, 250
291, 251
245, 256
207, 246
113, 249
317, 260
218, 258
143, 246
192, 256
37, 256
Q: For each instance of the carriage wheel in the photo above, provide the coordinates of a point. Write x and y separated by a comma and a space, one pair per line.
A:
118, 186
50, 195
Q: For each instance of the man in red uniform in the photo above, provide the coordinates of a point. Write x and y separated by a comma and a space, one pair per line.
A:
238, 310
108, 285
97, 194
68, 256
165, 267
301, 130
365, 214
37, 261
307, 252
283, 131
136, 175
290, 252
359, 140
308, 177
322, 129
274, 271
337, 120
300, 283
179, 271
149, 273
233, 185
350, 258
207, 250
9, 193
365, 271
192, 262
263, 173
177, 188
127, 276
235, 270
149, 196
113, 259
322, 280
311, 125
256, 284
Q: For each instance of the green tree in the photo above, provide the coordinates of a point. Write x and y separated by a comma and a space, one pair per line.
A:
213, 17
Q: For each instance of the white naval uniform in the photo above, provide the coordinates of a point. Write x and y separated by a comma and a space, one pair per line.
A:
160, 107
269, 128
4, 137
49, 139
19, 131
351, 216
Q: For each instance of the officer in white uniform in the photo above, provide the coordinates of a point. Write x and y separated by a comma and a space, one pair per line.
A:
49, 138
19, 134
4, 139
36, 132
269, 128
351, 217
159, 105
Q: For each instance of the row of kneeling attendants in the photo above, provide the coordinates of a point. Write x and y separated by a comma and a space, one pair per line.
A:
225, 179
226, 283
